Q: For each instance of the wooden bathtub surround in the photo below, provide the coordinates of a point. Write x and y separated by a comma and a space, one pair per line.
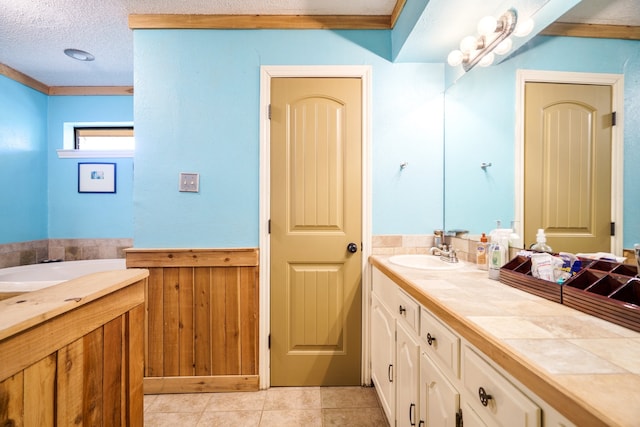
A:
201, 319
73, 353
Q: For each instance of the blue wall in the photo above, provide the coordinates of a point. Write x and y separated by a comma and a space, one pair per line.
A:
23, 164
196, 110
480, 127
74, 215
39, 197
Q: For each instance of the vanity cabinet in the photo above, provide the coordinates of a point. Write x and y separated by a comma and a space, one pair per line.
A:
440, 400
427, 375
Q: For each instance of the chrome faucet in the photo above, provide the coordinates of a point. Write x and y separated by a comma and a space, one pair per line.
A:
449, 256
445, 255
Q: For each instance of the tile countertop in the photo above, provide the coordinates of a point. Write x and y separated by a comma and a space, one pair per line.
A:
588, 369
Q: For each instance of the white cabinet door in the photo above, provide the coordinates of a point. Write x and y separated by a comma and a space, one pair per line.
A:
439, 399
408, 387
383, 356
470, 418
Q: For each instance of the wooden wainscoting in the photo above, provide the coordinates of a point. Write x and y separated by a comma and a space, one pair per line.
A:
201, 319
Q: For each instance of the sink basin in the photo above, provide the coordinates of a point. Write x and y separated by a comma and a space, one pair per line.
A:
424, 262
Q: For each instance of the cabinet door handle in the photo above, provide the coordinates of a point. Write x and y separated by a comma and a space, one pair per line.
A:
484, 396
412, 414
430, 339
402, 310
421, 423
390, 373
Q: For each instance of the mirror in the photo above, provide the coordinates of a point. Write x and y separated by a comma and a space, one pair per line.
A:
480, 127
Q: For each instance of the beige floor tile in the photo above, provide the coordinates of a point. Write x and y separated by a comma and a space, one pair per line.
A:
195, 402
230, 419
354, 417
293, 398
241, 401
171, 419
292, 417
349, 397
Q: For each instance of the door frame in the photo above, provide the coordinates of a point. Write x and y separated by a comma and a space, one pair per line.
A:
616, 82
267, 72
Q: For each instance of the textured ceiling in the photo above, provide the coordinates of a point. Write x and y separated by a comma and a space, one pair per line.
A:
33, 34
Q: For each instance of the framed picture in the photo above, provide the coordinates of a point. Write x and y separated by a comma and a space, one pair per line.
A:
96, 177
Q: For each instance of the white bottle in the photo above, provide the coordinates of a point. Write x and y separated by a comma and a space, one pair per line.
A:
497, 256
541, 242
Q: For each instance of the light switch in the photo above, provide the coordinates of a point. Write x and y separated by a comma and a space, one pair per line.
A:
189, 182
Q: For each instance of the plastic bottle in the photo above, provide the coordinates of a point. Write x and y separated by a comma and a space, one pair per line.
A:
514, 238
541, 242
498, 252
481, 253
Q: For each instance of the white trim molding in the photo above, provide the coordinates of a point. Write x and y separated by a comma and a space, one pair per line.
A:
616, 81
94, 154
363, 72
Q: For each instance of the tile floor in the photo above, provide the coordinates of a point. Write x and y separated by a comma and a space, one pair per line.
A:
277, 406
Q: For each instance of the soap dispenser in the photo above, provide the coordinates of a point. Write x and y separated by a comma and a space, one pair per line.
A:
541, 242
481, 253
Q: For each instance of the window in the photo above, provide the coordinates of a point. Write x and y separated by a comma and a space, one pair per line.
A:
104, 138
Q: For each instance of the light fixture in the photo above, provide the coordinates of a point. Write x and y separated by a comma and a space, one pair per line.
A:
78, 54
494, 36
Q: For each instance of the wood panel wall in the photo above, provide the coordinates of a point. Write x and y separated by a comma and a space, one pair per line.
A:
83, 367
201, 319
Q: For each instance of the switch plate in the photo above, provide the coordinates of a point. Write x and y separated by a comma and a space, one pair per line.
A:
189, 182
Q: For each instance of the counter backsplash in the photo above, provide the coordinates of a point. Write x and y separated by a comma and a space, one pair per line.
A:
393, 244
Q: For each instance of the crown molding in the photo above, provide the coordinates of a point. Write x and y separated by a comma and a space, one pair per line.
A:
90, 90
599, 31
20, 77
257, 22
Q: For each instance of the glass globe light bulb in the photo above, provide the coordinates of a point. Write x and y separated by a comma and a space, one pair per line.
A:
487, 60
523, 28
504, 46
487, 25
455, 58
468, 44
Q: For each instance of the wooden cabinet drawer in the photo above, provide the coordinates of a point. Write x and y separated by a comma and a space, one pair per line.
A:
495, 395
385, 289
442, 344
408, 310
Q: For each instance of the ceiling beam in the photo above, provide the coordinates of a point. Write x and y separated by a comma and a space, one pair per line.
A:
257, 22
599, 31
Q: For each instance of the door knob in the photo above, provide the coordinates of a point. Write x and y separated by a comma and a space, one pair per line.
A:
352, 247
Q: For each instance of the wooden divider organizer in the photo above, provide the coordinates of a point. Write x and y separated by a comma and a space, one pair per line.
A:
517, 273
605, 289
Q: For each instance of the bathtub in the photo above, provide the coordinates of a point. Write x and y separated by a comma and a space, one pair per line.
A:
26, 278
